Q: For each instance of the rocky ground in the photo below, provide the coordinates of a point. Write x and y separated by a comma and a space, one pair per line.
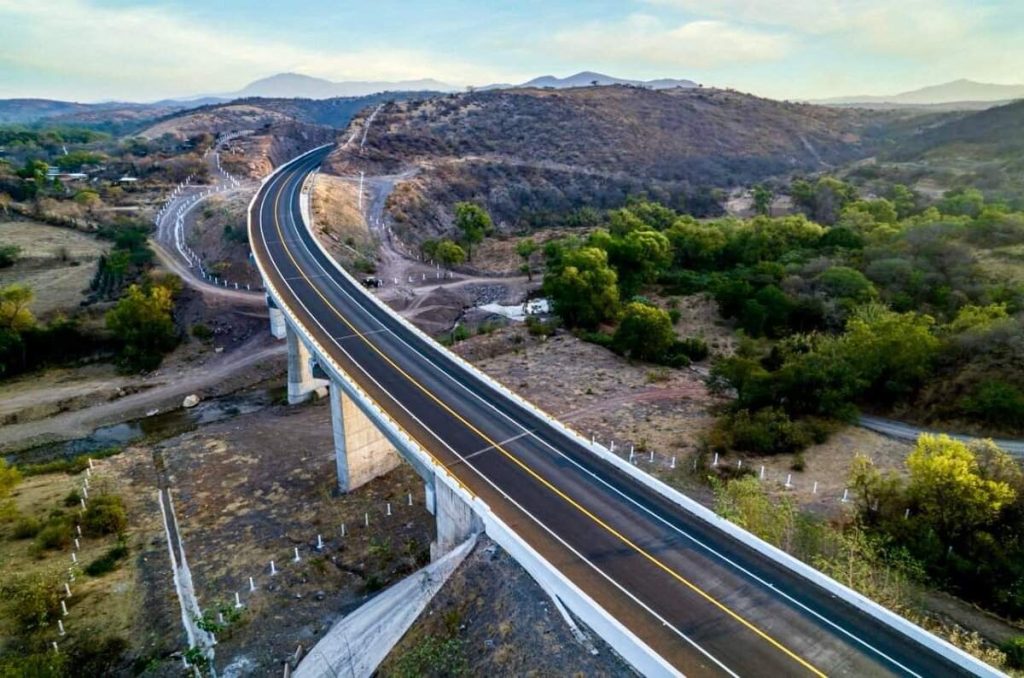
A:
498, 621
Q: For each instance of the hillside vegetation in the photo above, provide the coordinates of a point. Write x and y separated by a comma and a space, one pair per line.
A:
533, 156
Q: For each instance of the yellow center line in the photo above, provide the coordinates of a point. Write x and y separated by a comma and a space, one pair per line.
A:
572, 502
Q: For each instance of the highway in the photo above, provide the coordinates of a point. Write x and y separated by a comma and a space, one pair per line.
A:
705, 602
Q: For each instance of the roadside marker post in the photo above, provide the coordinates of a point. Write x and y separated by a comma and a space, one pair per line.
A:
297, 556
273, 570
252, 585
238, 601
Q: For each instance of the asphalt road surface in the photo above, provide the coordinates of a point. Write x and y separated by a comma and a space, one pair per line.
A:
706, 603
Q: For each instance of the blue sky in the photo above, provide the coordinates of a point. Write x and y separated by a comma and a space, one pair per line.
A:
92, 50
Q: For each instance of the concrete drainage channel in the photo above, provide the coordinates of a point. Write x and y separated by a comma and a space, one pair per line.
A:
357, 644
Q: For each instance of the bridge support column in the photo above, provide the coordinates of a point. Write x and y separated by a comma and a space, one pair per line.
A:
277, 324
456, 521
301, 384
361, 451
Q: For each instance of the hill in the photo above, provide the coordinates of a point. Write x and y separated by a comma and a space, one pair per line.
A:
32, 111
993, 133
295, 85
535, 156
958, 93
589, 79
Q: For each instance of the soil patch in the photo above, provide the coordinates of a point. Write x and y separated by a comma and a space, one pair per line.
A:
503, 624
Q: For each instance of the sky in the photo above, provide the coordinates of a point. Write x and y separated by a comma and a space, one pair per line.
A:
144, 50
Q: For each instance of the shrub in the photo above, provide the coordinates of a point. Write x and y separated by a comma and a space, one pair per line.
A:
108, 561
73, 498
433, 656
766, 431
538, 328
694, 348
27, 527
33, 599
202, 332
71, 466
1014, 650
674, 315
8, 255
645, 332
105, 514
55, 535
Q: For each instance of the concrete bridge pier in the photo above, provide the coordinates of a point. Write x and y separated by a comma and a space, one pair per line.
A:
361, 451
301, 384
277, 324
456, 520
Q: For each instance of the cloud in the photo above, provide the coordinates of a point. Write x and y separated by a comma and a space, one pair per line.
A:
890, 27
644, 39
148, 51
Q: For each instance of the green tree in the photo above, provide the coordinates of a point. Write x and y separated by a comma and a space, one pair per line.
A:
525, 248
9, 478
15, 315
903, 199
474, 222
843, 282
449, 253
966, 202
582, 287
893, 352
639, 256
644, 332
143, 324
697, 245
949, 490
763, 197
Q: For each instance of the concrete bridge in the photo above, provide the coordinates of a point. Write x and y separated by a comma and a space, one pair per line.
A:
669, 585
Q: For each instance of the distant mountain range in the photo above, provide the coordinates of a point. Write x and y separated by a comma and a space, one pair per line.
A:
589, 78
297, 86
957, 91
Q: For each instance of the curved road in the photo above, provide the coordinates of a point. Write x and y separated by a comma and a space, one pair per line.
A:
705, 602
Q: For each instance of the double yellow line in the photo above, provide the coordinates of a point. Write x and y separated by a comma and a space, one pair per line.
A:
569, 500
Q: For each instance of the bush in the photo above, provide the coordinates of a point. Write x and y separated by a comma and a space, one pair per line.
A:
538, 328
70, 466
108, 561
54, 536
27, 527
433, 656
766, 431
202, 332
8, 255
693, 348
645, 332
105, 514
73, 498
1014, 650
33, 599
